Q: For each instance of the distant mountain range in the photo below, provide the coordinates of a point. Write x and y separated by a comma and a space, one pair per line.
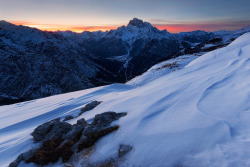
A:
35, 64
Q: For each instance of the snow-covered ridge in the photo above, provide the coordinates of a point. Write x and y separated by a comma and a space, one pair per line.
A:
197, 116
136, 29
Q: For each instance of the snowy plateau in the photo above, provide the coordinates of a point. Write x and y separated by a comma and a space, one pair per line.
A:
196, 116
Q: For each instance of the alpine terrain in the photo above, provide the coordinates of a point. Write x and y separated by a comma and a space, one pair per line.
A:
35, 64
194, 111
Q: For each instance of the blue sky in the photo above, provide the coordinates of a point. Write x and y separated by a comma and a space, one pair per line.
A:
197, 14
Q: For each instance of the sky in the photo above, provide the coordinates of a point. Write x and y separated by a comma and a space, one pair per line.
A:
92, 15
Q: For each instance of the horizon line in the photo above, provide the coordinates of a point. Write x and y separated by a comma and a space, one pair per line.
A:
172, 28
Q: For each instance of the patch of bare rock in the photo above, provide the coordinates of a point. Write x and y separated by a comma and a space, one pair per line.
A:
61, 140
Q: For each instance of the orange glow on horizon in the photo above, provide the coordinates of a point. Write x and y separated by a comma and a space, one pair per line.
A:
172, 28
56, 27
79, 29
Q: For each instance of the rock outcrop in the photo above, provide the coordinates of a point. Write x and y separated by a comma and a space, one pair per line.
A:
89, 106
62, 140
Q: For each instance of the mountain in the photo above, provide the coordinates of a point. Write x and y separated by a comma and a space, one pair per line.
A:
136, 47
35, 64
196, 116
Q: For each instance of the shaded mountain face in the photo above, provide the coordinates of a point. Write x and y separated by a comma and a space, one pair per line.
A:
35, 64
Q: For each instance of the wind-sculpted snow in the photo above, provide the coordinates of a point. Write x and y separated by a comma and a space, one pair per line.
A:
19, 120
196, 116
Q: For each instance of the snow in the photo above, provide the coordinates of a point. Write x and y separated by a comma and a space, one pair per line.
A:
207, 46
162, 69
196, 116
19, 120
131, 33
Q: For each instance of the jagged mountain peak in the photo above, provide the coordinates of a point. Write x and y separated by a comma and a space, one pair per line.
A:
139, 23
137, 29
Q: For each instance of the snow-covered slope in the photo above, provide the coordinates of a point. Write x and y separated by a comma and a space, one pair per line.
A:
19, 120
197, 116
162, 69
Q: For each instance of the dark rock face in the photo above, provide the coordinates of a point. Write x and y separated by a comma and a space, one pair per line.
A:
50, 130
136, 22
39, 64
152, 52
215, 40
90, 106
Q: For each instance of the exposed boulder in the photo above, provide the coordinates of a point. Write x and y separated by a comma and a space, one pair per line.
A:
106, 118
68, 117
51, 151
124, 149
101, 121
82, 122
51, 130
22, 157
91, 138
98, 128
89, 106
76, 131
16, 161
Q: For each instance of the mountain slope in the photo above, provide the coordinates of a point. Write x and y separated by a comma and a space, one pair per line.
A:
197, 116
162, 69
137, 47
39, 63
35, 64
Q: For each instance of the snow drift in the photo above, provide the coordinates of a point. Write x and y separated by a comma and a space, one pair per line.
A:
197, 116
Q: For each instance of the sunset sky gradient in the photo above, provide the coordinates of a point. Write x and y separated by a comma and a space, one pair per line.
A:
93, 15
